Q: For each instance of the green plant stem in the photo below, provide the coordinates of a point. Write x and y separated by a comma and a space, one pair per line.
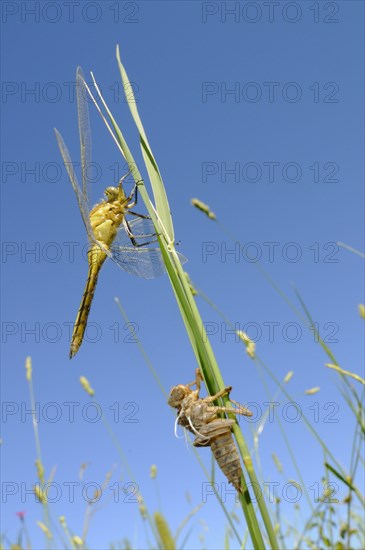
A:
39, 454
194, 325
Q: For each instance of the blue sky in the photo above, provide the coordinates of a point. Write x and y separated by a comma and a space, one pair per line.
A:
273, 93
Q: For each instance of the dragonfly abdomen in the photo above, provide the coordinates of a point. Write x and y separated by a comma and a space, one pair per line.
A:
87, 298
225, 453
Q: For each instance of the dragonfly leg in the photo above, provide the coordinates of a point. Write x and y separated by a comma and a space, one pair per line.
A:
144, 216
240, 408
133, 237
121, 190
229, 410
225, 391
120, 184
197, 381
134, 194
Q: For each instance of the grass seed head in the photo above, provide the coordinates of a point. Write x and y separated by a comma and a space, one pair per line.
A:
28, 368
86, 386
204, 208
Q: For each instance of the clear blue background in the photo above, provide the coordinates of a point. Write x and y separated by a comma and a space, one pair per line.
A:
171, 50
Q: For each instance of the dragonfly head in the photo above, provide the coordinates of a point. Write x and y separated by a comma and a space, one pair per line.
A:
177, 395
112, 193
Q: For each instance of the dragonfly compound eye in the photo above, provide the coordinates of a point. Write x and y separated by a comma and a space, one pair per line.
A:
177, 394
111, 193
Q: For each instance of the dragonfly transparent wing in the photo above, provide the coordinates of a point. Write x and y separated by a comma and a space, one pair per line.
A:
81, 200
84, 131
144, 261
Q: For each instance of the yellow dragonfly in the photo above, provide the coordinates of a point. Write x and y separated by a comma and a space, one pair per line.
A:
110, 233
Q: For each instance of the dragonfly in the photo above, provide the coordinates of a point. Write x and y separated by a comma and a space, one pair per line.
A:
201, 417
111, 234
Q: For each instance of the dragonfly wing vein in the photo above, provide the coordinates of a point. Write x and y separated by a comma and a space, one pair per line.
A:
82, 202
143, 262
84, 131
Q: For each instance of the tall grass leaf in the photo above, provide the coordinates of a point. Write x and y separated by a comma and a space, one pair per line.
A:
312, 324
339, 476
122, 145
159, 193
277, 462
351, 249
226, 540
195, 328
186, 538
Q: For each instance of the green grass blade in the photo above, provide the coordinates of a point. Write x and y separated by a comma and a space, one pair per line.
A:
185, 299
351, 249
340, 476
159, 193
